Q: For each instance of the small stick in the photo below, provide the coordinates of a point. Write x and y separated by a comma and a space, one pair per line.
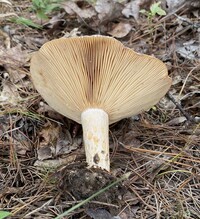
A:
178, 105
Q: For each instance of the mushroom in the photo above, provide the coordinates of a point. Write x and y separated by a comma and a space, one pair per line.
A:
96, 81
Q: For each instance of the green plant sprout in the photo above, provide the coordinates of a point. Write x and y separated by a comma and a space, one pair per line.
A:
43, 7
26, 22
4, 214
155, 9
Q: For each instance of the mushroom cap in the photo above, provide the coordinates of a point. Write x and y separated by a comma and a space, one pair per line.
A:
74, 74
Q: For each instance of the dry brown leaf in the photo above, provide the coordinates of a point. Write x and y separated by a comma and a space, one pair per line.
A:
49, 134
36, 42
177, 121
55, 20
72, 8
120, 30
172, 5
65, 143
108, 9
73, 33
20, 143
55, 163
188, 50
44, 152
13, 60
9, 94
13, 56
104, 8
132, 9
56, 141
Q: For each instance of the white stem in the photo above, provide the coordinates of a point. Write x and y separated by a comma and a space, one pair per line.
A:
95, 124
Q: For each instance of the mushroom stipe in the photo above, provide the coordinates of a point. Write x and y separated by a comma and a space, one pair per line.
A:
96, 81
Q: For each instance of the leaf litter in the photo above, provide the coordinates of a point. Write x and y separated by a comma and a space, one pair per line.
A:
42, 168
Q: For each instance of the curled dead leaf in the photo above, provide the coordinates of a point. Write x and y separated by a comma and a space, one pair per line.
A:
120, 30
72, 8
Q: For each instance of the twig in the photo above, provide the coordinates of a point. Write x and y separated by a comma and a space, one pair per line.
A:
195, 25
178, 105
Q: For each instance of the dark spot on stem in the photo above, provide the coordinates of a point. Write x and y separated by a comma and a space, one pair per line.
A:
96, 159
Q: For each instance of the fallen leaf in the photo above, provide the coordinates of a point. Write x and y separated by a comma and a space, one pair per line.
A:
55, 163
177, 79
108, 10
172, 5
166, 103
72, 8
44, 152
9, 94
132, 9
48, 136
104, 8
56, 141
65, 143
13, 60
73, 33
188, 50
120, 30
20, 142
35, 42
176, 121
55, 21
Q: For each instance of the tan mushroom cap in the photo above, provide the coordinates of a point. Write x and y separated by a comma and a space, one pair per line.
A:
78, 73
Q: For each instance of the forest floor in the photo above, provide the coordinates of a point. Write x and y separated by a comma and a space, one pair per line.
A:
42, 161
